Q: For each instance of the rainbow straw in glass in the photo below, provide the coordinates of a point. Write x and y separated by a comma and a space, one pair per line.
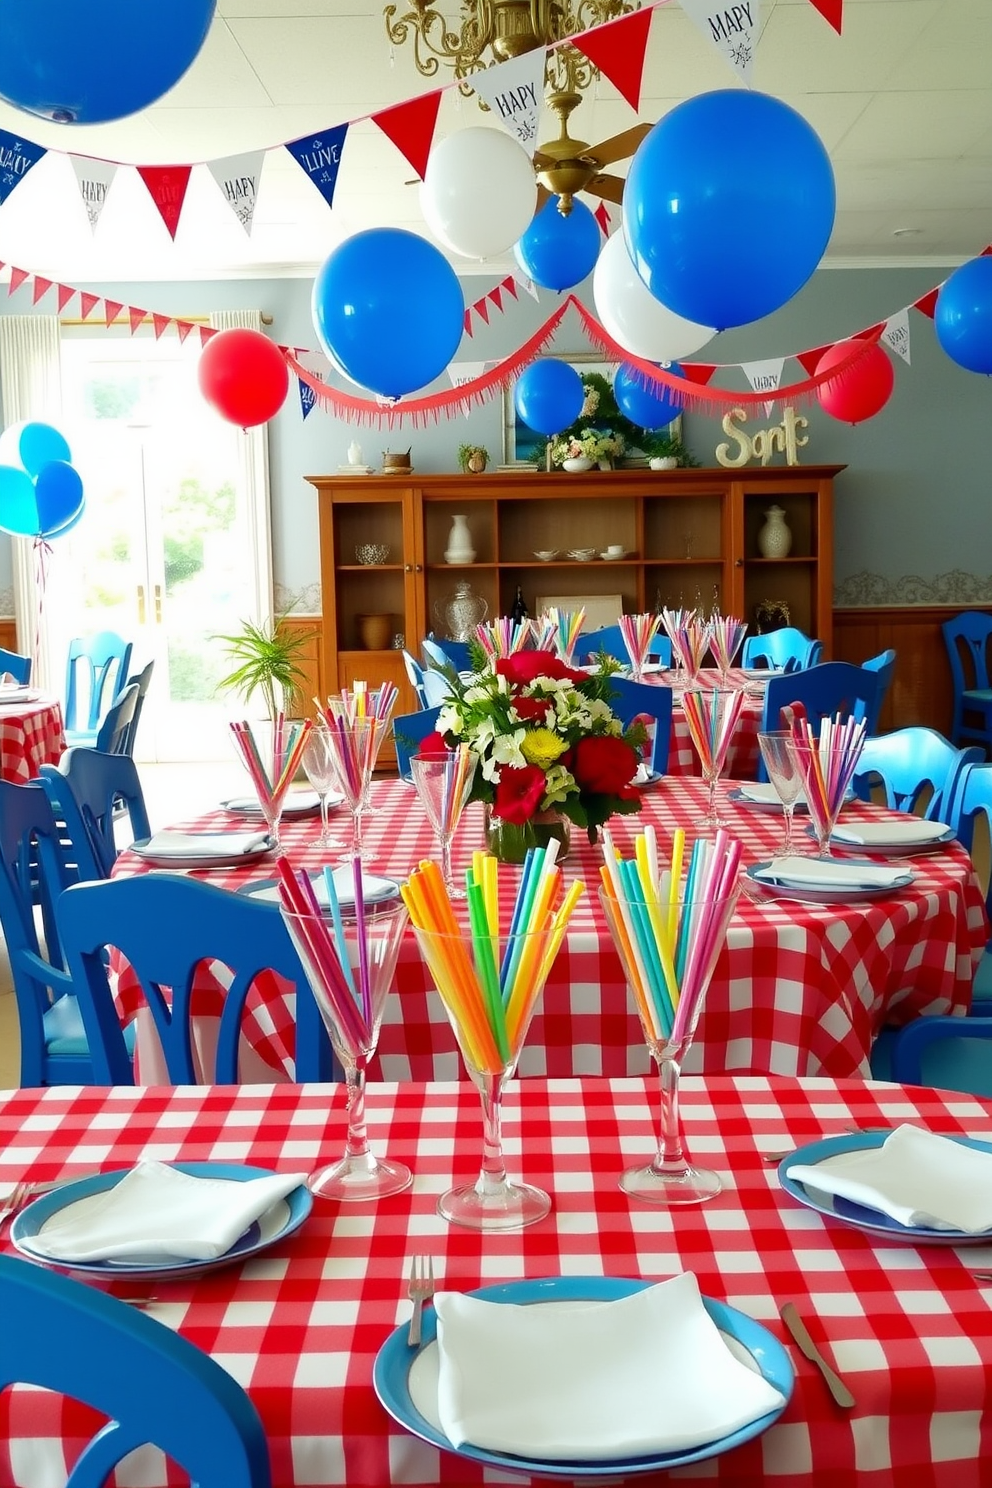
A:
503, 636
288, 744
566, 626
726, 634
827, 760
638, 631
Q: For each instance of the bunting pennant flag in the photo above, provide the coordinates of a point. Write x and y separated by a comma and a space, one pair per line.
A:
183, 327
496, 295
928, 303
40, 289
17, 156
765, 376
895, 334
411, 126
526, 283
136, 317
461, 373
809, 360
17, 278
319, 156
308, 398
618, 49
166, 186
514, 90
160, 324
696, 372
65, 294
481, 308
237, 178
112, 308
602, 216
510, 285
731, 29
94, 179
87, 302
832, 12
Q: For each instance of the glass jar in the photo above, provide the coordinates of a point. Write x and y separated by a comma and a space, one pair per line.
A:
509, 842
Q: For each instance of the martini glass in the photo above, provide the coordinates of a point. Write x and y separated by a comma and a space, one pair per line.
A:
318, 765
443, 786
783, 771
825, 769
354, 747
271, 756
712, 716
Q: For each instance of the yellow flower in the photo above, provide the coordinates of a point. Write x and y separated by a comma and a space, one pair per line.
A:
541, 747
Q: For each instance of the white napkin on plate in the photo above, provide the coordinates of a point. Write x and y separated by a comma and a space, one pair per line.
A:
157, 1211
826, 873
295, 801
915, 1177
884, 834
203, 844
374, 889
592, 1380
765, 794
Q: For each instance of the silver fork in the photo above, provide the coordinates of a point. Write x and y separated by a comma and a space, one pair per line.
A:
13, 1203
420, 1290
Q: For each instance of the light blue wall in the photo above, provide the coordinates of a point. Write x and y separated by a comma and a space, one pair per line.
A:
911, 521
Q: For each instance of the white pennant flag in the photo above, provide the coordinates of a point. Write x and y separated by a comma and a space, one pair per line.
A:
514, 90
94, 178
526, 283
237, 176
765, 377
731, 28
462, 372
896, 334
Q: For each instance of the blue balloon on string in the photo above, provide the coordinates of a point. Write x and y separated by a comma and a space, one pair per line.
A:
87, 64
728, 207
44, 507
389, 310
31, 445
648, 405
962, 318
549, 396
558, 252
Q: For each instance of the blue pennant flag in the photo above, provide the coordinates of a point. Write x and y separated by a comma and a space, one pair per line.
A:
17, 156
320, 156
307, 397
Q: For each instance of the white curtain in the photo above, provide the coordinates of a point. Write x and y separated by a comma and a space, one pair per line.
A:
254, 448
31, 382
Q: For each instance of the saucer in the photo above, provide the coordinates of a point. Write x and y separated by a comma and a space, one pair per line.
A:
615, 557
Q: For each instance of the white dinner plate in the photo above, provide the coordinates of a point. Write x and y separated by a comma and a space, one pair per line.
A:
803, 893
773, 806
893, 849
202, 860
297, 803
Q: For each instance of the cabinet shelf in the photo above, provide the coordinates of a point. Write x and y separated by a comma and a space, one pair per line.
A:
781, 562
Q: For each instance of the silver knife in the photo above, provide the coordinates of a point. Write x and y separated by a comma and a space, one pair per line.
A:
800, 1334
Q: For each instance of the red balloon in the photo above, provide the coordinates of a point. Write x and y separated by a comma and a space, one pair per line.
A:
243, 375
861, 391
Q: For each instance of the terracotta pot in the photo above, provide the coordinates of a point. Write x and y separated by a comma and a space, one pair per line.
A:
376, 631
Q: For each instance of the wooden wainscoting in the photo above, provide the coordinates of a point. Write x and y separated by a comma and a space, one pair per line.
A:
8, 634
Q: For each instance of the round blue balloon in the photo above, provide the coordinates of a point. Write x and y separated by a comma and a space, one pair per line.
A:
649, 407
962, 318
32, 445
558, 252
18, 507
389, 310
86, 64
549, 396
59, 495
728, 207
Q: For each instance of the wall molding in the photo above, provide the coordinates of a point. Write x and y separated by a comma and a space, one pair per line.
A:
955, 588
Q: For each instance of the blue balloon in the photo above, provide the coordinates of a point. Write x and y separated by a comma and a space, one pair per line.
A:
389, 310
18, 507
649, 407
86, 64
558, 251
962, 318
59, 495
728, 207
32, 445
549, 396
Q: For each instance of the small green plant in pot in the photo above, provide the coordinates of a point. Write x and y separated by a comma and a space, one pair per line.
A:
268, 662
472, 458
659, 444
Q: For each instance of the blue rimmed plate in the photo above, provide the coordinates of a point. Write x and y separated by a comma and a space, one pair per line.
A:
281, 1220
871, 1221
891, 847
296, 804
405, 1379
183, 862
803, 893
770, 803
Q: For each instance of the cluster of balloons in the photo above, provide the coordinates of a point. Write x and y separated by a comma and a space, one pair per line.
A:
41, 492
634, 318
87, 64
549, 396
963, 315
243, 375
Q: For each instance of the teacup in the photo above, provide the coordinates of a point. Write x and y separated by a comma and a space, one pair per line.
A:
614, 550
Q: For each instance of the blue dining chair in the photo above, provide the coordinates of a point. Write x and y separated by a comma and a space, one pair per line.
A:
150, 1384
609, 638
966, 637
96, 675
85, 789
942, 1052
640, 699
971, 803
409, 731
165, 925
13, 665
778, 647
884, 664
447, 653
119, 721
918, 769
142, 680
415, 677
832, 687
437, 688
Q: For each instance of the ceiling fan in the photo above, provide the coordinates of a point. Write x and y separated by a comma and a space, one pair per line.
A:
566, 166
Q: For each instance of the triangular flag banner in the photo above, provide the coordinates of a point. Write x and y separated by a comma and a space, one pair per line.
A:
482, 309
87, 302
41, 288
205, 333
496, 295
928, 303
94, 179
731, 29
161, 323
237, 178
167, 188
526, 283
308, 398
17, 278
136, 317
510, 285
832, 11
896, 335
617, 49
764, 377
514, 90
112, 309
462, 372
698, 372
183, 328
65, 294
809, 360
467, 322
410, 126
17, 156
319, 155
602, 216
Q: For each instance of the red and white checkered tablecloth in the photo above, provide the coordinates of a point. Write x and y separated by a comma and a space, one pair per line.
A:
299, 1326
30, 736
742, 755
799, 989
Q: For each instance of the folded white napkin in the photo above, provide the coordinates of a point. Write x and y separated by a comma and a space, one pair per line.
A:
915, 1177
643, 775
592, 1380
156, 1211
826, 873
203, 844
765, 793
884, 834
295, 801
373, 889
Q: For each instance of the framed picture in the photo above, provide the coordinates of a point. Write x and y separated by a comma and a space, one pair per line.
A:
521, 444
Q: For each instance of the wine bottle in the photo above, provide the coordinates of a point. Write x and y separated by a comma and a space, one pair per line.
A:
518, 610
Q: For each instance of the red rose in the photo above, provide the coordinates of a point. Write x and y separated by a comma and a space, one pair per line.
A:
432, 746
518, 793
524, 666
604, 766
531, 710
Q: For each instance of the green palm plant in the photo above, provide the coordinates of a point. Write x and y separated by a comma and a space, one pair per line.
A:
267, 654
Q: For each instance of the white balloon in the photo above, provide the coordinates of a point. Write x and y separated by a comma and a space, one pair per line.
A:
479, 194
634, 318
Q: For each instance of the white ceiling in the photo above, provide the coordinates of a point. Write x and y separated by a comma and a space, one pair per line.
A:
902, 101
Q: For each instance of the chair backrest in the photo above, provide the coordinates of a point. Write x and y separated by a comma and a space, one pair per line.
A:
116, 724
632, 700
447, 653
415, 677
609, 638
884, 664
908, 763
828, 689
409, 729
966, 637
84, 789
12, 664
152, 1385
143, 680
780, 646
100, 662
165, 925
437, 688
972, 799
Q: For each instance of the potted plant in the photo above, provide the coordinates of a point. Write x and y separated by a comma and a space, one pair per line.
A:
268, 661
665, 451
473, 458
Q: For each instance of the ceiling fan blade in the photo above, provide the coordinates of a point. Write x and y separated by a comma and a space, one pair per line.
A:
542, 196
610, 188
542, 161
620, 146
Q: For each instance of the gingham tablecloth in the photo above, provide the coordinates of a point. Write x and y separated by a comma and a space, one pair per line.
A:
30, 736
299, 1326
799, 989
742, 755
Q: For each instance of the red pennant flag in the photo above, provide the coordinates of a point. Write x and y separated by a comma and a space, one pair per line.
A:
986, 252
602, 216
511, 284
617, 49
135, 316
928, 302
17, 278
183, 327
66, 293
482, 309
205, 334
809, 360
871, 334
113, 309
699, 372
468, 322
41, 288
832, 11
410, 126
87, 302
497, 298
167, 188
160, 323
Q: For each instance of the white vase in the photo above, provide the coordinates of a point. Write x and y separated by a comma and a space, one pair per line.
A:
579, 463
459, 549
663, 462
774, 539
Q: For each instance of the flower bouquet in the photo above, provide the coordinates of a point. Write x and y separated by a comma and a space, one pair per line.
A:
591, 444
